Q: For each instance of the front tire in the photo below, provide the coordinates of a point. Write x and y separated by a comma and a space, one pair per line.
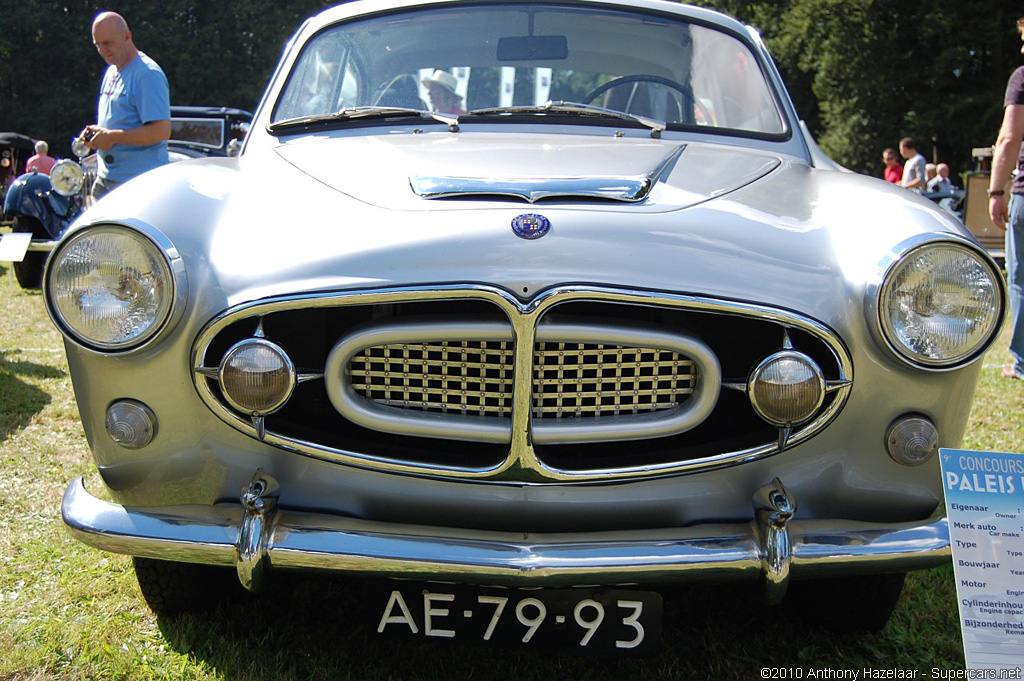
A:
863, 603
172, 588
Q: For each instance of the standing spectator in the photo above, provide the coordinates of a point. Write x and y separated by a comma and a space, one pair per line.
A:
913, 169
929, 174
893, 169
1007, 154
941, 181
42, 161
133, 119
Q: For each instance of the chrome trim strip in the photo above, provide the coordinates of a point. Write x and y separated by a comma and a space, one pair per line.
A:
521, 465
207, 534
36, 246
532, 189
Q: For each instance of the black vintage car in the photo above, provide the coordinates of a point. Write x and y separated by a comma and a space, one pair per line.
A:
46, 206
15, 149
207, 131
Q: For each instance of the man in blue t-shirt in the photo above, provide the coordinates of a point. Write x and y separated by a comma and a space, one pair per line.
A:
133, 117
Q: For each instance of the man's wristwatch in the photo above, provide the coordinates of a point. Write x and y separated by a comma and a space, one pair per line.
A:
995, 192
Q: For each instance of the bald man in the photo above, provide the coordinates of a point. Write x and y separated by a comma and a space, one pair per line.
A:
133, 117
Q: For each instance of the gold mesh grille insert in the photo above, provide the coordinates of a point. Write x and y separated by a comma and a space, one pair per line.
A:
582, 379
467, 377
570, 380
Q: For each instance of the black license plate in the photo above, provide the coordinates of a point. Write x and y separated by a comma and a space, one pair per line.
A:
618, 621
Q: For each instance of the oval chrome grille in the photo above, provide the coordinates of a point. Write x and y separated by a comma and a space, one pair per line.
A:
592, 383
469, 382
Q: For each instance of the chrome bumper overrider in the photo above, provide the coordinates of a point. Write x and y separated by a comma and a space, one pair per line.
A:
255, 535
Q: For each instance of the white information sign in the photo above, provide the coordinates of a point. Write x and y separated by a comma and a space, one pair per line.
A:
14, 245
985, 506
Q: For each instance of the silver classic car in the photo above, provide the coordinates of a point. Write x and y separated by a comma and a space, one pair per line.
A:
523, 310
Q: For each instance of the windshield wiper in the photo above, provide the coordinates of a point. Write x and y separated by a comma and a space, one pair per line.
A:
354, 112
575, 108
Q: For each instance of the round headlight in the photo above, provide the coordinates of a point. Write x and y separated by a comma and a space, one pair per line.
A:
256, 376
940, 305
109, 288
67, 177
786, 389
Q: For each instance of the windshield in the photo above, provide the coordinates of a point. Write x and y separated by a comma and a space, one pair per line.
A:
456, 60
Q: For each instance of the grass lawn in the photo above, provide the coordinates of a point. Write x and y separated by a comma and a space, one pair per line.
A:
71, 612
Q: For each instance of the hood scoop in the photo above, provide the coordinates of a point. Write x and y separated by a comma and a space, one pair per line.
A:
531, 189
438, 170
629, 189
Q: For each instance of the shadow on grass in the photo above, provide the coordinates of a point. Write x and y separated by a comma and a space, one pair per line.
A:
317, 628
19, 400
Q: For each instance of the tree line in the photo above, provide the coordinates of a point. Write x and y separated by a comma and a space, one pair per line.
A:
863, 73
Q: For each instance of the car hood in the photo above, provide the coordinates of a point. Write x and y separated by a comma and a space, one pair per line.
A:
340, 214
400, 172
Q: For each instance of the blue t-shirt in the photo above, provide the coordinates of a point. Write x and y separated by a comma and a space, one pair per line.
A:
130, 98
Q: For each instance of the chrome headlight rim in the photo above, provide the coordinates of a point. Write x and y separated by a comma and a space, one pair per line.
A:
878, 287
178, 289
67, 177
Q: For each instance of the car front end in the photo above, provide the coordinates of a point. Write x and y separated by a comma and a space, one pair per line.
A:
521, 347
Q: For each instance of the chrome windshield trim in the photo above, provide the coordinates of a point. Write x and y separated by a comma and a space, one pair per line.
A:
521, 464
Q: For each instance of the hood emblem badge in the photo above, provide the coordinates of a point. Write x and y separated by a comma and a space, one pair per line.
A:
530, 226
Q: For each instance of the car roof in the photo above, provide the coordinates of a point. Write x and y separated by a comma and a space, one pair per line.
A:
208, 112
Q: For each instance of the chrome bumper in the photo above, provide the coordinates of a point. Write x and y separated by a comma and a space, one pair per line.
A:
255, 535
42, 246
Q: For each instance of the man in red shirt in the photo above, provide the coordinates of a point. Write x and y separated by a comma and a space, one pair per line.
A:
893, 169
41, 161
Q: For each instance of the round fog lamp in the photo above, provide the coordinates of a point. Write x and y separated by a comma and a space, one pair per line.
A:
912, 440
131, 424
786, 389
256, 376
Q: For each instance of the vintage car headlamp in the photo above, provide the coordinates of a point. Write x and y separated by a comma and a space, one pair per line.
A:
940, 304
67, 177
256, 376
786, 389
109, 287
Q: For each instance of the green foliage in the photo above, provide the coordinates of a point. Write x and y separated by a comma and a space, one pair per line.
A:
865, 73
862, 73
219, 54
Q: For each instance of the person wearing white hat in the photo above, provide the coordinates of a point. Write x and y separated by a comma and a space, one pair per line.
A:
441, 89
